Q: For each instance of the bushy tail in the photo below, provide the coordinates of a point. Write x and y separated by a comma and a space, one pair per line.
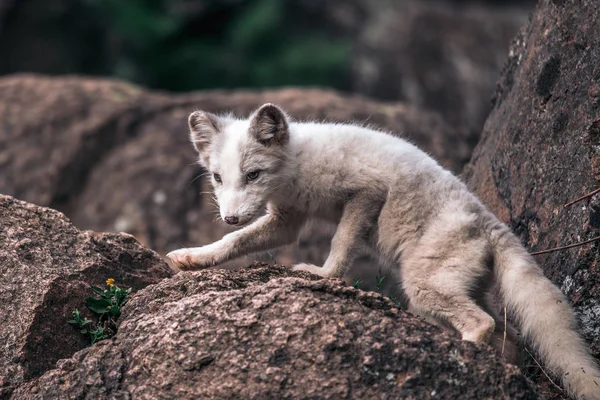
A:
545, 317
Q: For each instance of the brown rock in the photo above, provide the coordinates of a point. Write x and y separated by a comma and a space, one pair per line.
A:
114, 157
268, 333
46, 269
539, 149
435, 55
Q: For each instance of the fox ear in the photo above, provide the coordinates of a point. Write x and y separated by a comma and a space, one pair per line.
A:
203, 127
269, 125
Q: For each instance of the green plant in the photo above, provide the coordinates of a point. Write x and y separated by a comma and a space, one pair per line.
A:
81, 323
378, 282
395, 301
107, 308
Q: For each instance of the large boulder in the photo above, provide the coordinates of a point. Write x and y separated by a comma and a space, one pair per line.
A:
268, 333
438, 55
539, 149
114, 157
46, 269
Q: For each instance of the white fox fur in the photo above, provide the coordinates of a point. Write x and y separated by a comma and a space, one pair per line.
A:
391, 199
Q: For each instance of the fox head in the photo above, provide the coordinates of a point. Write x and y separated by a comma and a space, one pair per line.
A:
247, 160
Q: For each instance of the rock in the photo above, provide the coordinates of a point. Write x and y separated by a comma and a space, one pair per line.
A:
46, 269
114, 157
268, 333
539, 149
442, 56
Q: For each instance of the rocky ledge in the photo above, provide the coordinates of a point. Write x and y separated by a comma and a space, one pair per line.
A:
256, 333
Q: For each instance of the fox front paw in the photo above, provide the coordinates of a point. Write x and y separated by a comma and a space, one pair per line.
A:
192, 259
313, 269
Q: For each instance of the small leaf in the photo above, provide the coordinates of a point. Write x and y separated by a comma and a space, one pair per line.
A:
97, 334
97, 302
98, 310
84, 331
101, 292
99, 306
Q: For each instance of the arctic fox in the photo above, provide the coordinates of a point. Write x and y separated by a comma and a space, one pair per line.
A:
393, 200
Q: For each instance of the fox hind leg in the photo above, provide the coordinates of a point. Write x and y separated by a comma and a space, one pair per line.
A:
438, 279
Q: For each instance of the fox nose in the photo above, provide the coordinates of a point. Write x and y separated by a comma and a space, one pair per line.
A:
232, 220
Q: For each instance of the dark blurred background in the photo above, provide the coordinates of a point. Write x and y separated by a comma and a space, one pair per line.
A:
115, 157
440, 55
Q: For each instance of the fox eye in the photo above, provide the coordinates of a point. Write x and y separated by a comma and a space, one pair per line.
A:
217, 178
252, 175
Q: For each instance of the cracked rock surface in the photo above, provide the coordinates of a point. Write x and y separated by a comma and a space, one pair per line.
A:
540, 149
46, 269
265, 332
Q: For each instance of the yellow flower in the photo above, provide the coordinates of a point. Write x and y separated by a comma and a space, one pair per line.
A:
110, 282
109, 307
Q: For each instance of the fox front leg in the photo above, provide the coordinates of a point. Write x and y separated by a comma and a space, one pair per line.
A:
357, 218
196, 258
277, 228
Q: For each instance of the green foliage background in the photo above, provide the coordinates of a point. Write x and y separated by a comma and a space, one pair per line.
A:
182, 45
